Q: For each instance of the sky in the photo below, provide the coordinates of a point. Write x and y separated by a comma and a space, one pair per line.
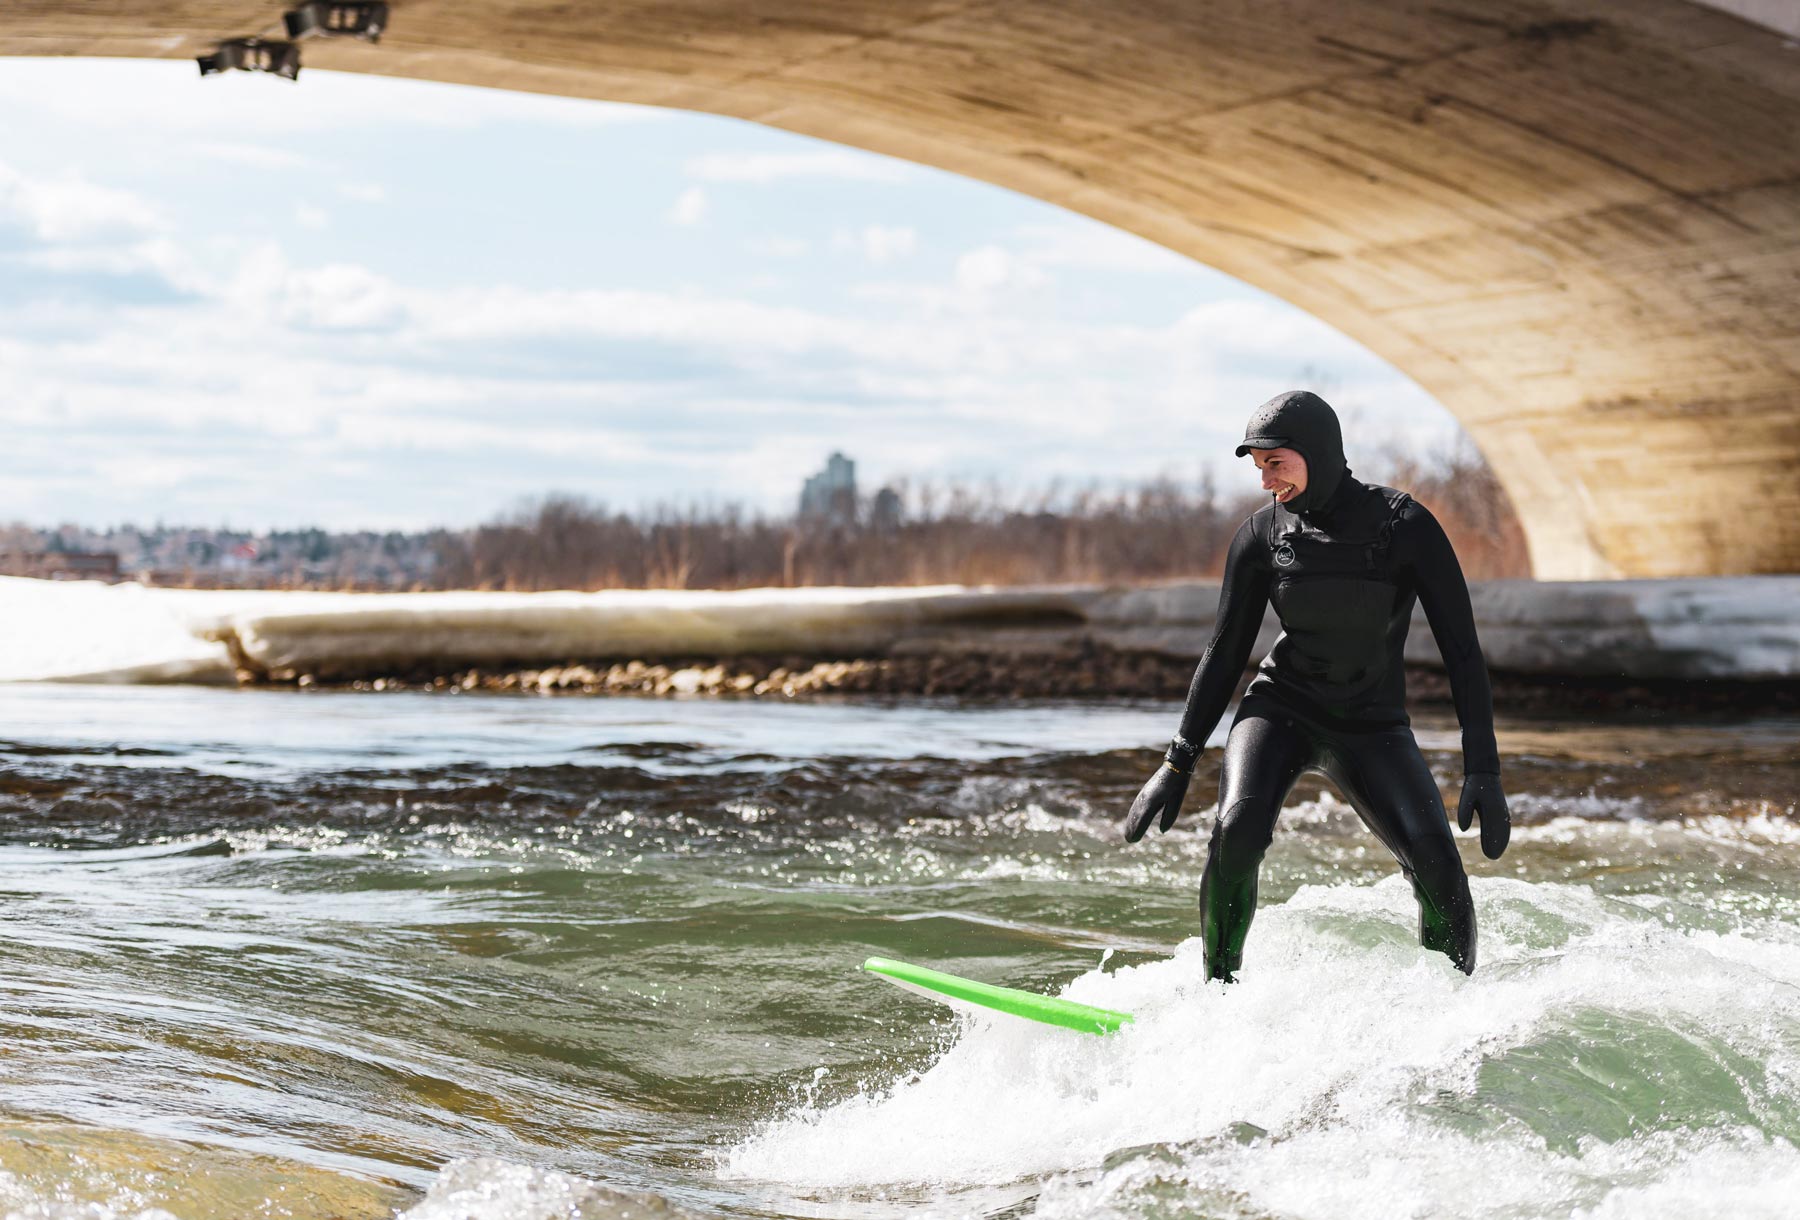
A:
357, 302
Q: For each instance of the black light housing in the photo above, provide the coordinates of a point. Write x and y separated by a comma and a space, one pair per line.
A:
331, 19
253, 55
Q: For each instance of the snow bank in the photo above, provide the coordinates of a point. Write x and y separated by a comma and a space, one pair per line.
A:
1714, 627
1738, 627
83, 631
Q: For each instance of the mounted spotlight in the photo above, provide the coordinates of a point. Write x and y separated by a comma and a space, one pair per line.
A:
253, 55
327, 19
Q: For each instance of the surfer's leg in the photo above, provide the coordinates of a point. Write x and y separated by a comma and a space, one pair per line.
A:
1385, 778
1263, 758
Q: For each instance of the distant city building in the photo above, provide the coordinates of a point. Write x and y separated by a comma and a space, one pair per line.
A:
830, 495
884, 511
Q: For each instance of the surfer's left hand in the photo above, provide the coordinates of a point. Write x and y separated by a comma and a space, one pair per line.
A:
1160, 799
1481, 795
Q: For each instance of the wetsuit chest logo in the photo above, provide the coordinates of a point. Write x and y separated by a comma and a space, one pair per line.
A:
1284, 556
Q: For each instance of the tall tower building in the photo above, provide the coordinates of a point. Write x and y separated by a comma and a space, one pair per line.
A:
830, 495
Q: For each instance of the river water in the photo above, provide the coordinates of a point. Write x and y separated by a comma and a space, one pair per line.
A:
481, 957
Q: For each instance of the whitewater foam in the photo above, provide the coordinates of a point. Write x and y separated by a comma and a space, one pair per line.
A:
1386, 1083
487, 1188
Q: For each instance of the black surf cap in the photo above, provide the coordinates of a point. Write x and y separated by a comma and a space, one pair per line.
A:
1285, 418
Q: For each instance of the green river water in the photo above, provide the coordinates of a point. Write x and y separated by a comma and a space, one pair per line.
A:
492, 958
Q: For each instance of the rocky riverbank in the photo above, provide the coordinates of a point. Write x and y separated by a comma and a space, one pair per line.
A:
1092, 672
1087, 673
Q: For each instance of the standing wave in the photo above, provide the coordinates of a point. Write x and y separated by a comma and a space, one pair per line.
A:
1601, 1062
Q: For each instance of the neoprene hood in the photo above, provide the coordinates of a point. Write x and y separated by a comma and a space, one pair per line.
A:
1302, 421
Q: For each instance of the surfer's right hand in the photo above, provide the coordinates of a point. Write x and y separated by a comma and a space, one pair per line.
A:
1160, 802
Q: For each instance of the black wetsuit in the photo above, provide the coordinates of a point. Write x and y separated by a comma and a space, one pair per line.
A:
1330, 697
1343, 574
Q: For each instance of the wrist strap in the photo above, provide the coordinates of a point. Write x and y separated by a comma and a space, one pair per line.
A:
1182, 755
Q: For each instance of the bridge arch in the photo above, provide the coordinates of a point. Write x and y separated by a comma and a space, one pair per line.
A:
1576, 224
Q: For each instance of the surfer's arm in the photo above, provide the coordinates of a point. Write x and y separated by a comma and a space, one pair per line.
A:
1243, 593
1243, 596
1444, 593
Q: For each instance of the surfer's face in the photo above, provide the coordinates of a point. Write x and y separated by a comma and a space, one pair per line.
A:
1283, 472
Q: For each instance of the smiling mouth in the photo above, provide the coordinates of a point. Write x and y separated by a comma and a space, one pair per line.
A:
1285, 494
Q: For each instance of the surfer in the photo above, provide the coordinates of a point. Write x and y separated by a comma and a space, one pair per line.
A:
1343, 562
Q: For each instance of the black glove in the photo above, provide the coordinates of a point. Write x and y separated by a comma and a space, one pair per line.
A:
1160, 800
1481, 795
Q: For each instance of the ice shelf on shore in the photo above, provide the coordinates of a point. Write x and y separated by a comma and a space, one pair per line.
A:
1731, 627
83, 631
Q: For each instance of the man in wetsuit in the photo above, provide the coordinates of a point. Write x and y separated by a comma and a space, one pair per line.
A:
1343, 563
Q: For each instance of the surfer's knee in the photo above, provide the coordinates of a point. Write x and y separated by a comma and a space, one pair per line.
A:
1242, 835
1436, 872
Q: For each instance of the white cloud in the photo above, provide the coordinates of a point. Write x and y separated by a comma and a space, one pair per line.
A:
721, 323
778, 247
157, 256
1021, 266
67, 208
256, 156
151, 472
309, 217
334, 297
878, 243
988, 268
431, 431
763, 168
340, 297
363, 192
690, 207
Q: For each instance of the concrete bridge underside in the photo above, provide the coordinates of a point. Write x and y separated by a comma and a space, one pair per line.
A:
1576, 223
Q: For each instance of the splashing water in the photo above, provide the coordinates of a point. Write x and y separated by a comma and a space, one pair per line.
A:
1600, 1059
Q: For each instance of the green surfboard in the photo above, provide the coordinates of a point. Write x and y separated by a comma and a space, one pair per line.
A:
948, 989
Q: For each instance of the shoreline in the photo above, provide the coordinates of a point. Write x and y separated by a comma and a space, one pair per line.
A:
1686, 644
1093, 672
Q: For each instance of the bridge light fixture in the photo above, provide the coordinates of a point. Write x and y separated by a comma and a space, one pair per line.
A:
253, 55
331, 19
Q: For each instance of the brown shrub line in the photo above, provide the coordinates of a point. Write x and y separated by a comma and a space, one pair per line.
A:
950, 533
